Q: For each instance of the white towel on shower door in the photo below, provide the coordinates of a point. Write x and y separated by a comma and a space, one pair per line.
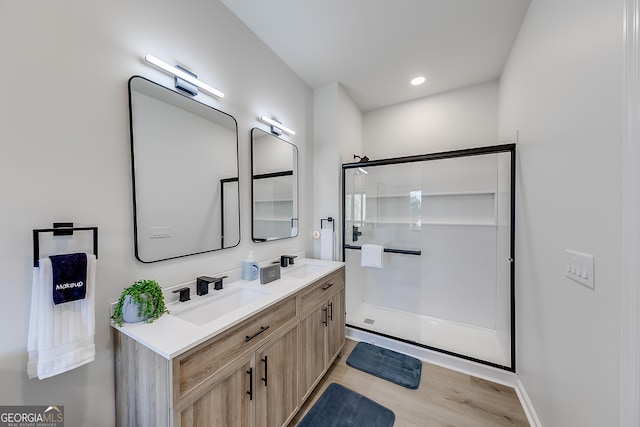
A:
371, 256
61, 337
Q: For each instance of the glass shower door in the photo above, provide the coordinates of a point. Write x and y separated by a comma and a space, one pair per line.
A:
445, 224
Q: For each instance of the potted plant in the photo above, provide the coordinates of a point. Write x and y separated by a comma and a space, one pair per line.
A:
142, 301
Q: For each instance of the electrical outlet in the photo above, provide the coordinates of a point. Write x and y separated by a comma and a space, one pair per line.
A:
580, 268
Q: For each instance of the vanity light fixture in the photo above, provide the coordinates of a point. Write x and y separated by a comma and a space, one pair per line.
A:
180, 74
276, 127
416, 81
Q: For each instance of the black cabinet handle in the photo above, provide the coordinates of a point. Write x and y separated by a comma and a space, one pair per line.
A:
327, 287
262, 329
324, 315
250, 392
331, 311
265, 371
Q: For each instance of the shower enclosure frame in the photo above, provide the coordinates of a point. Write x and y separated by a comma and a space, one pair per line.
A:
494, 149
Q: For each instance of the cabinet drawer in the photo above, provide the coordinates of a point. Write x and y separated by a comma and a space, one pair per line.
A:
321, 290
194, 369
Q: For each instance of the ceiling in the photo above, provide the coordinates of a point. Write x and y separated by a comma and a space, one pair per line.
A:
375, 47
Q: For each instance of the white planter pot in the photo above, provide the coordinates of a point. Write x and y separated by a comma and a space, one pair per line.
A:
130, 310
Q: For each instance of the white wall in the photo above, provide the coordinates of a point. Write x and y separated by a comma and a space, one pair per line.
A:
562, 89
463, 118
350, 127
337, 136
64, 155
326, 158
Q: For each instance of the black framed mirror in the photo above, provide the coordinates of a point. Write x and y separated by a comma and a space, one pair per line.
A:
274, 187
184, 158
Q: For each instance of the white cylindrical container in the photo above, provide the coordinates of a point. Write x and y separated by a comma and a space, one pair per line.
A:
250, 268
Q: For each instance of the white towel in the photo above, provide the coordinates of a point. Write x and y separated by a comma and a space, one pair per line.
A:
61, 337
326, 243
371, 256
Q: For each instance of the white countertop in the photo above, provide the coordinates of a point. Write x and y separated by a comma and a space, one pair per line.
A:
170, 336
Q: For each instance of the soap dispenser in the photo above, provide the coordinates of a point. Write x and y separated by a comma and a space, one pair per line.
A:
250, 268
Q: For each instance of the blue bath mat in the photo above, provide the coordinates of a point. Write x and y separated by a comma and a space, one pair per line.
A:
386, 364
340, 407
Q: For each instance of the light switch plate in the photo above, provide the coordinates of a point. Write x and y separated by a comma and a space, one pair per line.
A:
580, 268
159, 232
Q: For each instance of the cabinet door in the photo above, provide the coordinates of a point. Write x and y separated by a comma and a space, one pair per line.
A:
335, 338
312, 348
277, 380
201, 364
226, 403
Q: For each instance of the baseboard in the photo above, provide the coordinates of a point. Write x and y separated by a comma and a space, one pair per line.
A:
468, 367
527, 406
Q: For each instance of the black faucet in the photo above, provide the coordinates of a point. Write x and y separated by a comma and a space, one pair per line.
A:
217, 282
202, 285
184, 294
203, 282
285, 260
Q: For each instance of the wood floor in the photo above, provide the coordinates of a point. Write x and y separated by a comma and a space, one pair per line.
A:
444, 397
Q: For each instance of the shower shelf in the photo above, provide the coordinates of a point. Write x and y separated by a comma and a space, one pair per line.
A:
468, 208
462, 224
444, 223
434, 194
274, 201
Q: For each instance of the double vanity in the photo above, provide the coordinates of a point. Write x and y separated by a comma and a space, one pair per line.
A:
247, 355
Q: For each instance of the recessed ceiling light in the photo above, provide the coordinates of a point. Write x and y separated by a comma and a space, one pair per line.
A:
418, 80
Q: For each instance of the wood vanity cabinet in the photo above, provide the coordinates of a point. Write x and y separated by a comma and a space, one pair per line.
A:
225, 402
335, 327
266, 378
254, 374
276, 387
322, 322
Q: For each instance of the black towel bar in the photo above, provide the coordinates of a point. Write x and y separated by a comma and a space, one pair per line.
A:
393, 251
329, 219
61, 229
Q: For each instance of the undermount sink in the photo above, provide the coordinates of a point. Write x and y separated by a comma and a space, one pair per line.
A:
304, 270
217, 305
